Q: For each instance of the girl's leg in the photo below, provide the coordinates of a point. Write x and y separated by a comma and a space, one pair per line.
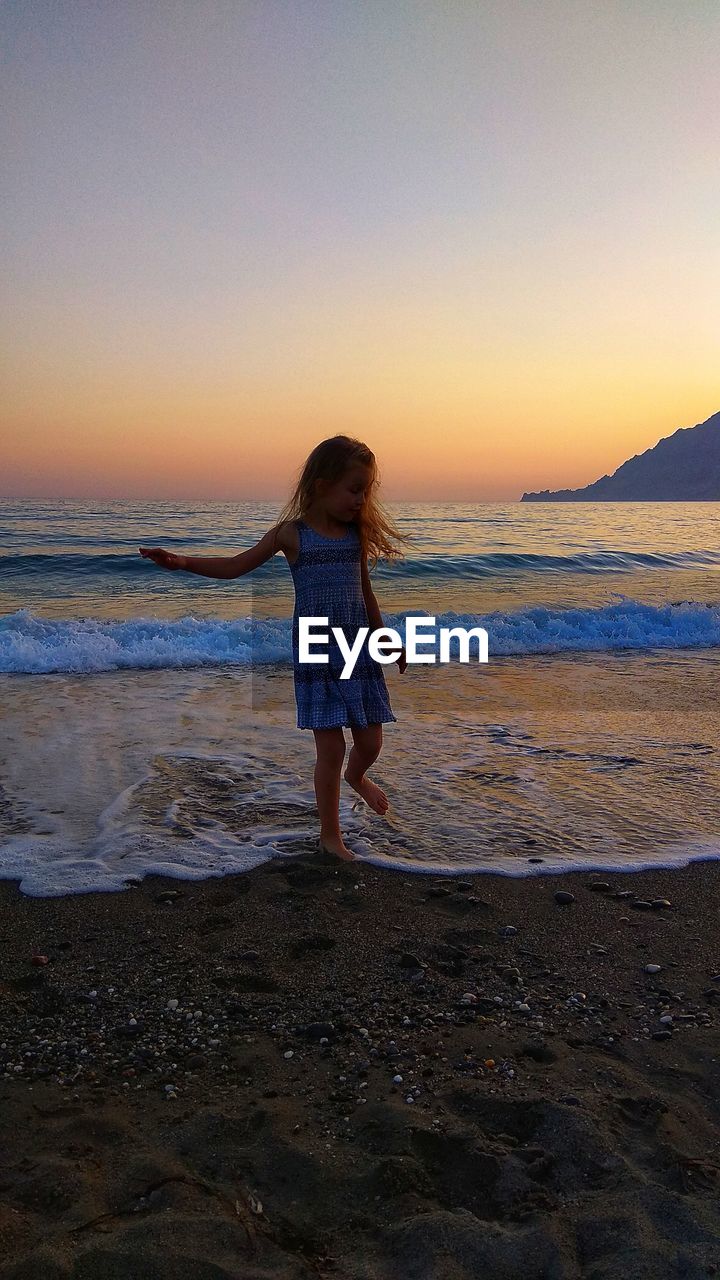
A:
365, 751
330, 747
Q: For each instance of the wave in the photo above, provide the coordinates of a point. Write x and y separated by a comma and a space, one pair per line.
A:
447, 567
33, 645
499, 563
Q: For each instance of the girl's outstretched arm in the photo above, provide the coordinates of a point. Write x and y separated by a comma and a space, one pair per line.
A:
219, 566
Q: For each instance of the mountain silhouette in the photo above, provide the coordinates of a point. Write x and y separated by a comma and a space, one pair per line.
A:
683, 467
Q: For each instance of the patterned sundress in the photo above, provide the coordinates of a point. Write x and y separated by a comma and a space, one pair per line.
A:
328, 584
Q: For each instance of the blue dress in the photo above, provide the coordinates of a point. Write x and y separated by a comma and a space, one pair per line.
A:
327, 581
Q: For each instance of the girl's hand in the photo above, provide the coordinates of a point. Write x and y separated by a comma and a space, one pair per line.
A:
402, 661
166, 559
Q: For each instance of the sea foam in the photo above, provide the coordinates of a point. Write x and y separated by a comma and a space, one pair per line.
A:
33, 644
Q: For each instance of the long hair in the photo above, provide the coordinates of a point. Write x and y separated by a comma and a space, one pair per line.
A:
379, 536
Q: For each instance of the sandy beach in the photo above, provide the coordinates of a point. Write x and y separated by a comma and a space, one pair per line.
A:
322, 1070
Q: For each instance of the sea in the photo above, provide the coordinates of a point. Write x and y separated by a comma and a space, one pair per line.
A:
147, 718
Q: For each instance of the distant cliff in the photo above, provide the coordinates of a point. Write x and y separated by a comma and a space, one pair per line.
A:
684, 467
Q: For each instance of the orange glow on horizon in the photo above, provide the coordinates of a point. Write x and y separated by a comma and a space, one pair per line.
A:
456, 234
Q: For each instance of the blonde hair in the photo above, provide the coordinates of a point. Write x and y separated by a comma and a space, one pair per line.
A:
329, 461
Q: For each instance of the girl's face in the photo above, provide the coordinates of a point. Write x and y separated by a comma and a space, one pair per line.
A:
346, 497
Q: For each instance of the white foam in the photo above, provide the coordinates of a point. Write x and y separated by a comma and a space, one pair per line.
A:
589, 765
31, 644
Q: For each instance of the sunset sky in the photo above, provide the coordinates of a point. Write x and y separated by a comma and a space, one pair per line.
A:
481, 235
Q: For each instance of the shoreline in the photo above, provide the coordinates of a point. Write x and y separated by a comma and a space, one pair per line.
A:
546, 1121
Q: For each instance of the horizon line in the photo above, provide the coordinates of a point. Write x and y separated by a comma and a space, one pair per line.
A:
11, 497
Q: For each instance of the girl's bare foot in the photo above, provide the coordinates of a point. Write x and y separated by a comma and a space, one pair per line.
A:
372, 794
336, 846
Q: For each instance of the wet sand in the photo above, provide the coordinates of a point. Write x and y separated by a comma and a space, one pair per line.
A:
321, 1070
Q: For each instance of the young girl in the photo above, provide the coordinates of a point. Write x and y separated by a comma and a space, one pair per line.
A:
327, 530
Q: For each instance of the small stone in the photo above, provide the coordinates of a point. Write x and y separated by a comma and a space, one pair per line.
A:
666, 1018
662, 1035
131, 1028
563, 898
40, 960
653, 968
599, 886
661, 904
288, 1054
640, 904
507, 931
172, 1004
570, 1100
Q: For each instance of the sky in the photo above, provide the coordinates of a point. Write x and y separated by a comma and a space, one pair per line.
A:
480, 235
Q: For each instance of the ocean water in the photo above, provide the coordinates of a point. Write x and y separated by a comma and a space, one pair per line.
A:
147, 718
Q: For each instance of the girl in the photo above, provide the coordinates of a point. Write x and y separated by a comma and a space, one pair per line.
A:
327, 530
